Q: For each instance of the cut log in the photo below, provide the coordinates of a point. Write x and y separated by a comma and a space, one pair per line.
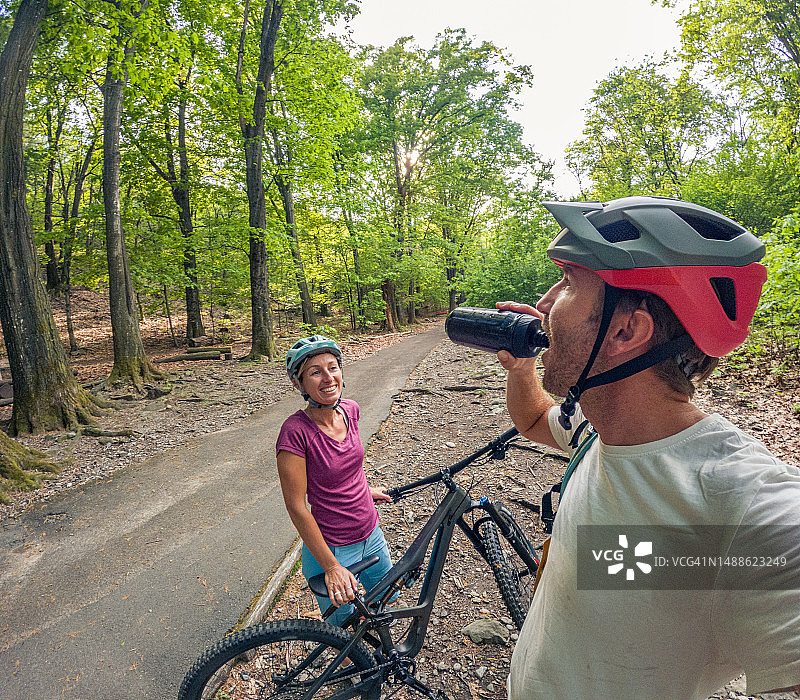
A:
99, 432
477, 387
192, 356
6, 390
221, 349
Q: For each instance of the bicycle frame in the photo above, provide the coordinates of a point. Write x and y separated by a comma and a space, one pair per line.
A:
370, 617
372, 657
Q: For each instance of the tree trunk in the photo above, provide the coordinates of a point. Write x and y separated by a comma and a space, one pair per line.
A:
402, 172
46, 394
450, 269
452, 292
347, 215
21, 469
359, 286
71, 225
322, 287
178, 181
51, 266
71, 229
285, 188
263, 341
194, 319
64, 282
283, 163
131, 364
390, 306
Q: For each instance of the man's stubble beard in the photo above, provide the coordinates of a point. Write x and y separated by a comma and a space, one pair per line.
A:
570, 355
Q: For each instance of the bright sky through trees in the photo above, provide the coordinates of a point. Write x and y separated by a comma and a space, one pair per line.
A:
570, 45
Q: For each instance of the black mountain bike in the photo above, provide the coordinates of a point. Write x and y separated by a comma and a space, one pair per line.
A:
312, 658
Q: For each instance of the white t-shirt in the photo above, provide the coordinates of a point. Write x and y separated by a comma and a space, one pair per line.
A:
637, 644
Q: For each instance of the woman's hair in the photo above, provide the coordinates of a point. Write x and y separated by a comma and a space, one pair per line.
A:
684, 373
302, 368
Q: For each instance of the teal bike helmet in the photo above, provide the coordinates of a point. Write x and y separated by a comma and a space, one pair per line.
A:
302, 350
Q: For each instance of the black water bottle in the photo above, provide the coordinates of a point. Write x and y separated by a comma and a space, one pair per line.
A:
492, 330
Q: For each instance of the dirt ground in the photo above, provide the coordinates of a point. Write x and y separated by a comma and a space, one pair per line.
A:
452, 405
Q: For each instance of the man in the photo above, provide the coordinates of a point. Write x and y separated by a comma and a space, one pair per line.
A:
653, 292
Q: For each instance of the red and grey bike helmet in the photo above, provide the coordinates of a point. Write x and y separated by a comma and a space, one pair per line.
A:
302, 350
701, 263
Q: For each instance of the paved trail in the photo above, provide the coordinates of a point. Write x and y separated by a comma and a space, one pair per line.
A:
111, 591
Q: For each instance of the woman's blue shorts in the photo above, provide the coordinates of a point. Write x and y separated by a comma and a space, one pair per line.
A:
350, 554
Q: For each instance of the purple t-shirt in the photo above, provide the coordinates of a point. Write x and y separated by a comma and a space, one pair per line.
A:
337, 488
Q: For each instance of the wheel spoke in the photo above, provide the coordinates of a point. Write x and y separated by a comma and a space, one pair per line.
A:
277, 660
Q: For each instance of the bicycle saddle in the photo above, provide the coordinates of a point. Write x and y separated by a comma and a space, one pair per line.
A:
317, 583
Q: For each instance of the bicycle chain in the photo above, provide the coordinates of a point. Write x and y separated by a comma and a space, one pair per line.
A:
396, 664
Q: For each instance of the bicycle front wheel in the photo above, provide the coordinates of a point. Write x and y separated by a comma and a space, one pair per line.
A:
513, 576
280, 660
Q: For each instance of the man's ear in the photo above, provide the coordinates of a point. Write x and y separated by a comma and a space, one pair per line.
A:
630, 331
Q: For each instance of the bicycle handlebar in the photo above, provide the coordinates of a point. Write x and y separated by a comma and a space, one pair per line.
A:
495, 447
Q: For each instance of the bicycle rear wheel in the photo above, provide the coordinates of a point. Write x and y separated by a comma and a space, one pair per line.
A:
513, 576
276, 660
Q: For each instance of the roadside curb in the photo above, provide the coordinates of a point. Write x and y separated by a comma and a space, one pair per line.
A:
274, 585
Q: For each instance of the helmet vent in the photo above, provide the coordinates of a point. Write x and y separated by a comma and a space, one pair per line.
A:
619, 231
711, 229
725, 290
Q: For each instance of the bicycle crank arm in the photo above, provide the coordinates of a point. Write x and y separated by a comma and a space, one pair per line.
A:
417, 685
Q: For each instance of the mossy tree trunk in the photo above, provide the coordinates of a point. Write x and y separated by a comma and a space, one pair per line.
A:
46, 394
21, 469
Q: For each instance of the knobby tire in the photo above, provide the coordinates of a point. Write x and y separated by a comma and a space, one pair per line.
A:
260, 655
510, 571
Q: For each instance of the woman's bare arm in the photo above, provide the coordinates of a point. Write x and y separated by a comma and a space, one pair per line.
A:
294, 483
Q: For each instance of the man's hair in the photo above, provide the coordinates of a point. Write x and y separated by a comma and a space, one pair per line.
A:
684, 373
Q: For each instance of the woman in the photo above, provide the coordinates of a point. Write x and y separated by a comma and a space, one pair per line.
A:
321, 457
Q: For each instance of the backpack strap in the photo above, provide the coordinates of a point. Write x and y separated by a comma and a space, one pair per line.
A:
547, 514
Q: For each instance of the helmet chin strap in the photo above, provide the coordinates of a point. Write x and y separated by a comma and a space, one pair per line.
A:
652, 357
610, 298
314, 404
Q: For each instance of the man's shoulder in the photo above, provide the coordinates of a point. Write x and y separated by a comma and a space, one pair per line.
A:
738, 468
732, 442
